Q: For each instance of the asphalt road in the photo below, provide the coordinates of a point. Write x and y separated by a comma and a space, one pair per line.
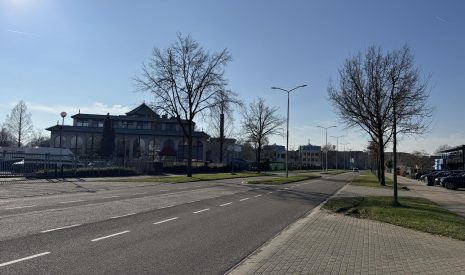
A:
189, 228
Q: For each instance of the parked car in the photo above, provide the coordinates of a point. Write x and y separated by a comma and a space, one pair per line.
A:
454, 182
419, 174
437, 180
429, 178
440, 181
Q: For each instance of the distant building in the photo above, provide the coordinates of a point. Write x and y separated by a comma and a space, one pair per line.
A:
141, 133
310, 156
454, 158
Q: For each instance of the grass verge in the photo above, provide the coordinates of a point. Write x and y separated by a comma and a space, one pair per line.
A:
415, 213
197, 177
283, 180
368, 179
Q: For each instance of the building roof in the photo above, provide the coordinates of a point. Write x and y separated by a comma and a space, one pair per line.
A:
457, 148
142, 111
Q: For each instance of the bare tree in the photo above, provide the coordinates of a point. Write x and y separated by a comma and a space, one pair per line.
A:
38, 138
259, 123
184, 79
221, 116
6, 139
441, 148
19, 123
371, 86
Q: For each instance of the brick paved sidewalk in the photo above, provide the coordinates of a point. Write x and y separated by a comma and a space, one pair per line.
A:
327, 243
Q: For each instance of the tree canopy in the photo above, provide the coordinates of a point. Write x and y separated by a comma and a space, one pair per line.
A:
369, 86
184, 79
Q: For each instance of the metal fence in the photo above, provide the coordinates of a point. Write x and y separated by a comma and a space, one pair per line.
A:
20, 166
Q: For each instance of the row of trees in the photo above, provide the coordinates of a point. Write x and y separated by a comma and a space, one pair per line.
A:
187, 80
18, 129
380, 93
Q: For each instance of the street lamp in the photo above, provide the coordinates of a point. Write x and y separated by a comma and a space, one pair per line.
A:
337, 147
326, 129
63, 115
287, 127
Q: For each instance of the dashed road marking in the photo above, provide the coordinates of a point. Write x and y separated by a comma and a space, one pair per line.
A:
109, 236
244, 199
224, 204
258, 196
59, 228
200, 211
125, 215
19, 207
71, 201
109, 197
167, 220
24, 259
270, 192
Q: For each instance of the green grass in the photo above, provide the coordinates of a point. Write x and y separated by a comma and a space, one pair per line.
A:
196, 177
415, 213
369, 179
334, 172
283, 180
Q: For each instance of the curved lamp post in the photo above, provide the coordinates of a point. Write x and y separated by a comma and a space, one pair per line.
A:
287, 127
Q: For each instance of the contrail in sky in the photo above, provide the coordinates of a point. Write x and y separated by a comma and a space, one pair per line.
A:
441, 19
22, 33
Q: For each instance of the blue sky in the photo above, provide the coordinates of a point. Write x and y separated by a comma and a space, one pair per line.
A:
71, 55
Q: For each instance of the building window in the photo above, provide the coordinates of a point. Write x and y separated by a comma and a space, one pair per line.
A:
170, 127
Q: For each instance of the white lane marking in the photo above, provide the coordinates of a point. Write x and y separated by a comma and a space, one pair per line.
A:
258, 196
19, 207
270, 192
200, 211
71, 201
125, 215
24, 259
286, 188
244, 199
167, 220
109, 197
109, 236
59, 228
162, 190
179, 188
137, 194
224, 204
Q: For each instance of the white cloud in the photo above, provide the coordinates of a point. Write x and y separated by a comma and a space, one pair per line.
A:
22, 33
96, 108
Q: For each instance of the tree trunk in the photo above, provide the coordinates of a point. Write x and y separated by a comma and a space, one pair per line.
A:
259, 149
221, 136
189, 150
382, 180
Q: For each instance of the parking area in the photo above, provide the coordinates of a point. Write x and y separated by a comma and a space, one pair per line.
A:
453, 200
